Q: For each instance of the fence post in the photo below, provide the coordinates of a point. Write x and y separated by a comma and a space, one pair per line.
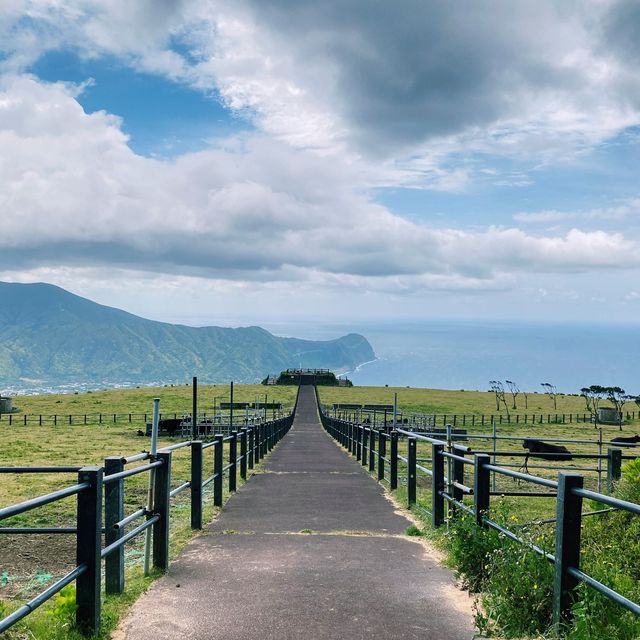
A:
161, 499
257, 445
393, 463
458, 475
250, 445
358, 442
88, 546
382, 452
233, 460
217, 469
411, 470
243, 453
568, 529
196, 484
481, 486
614, 466
113, 513
437, 485
365, 447
265, 440
372, 450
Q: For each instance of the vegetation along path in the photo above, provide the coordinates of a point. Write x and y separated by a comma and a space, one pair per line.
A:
309, 548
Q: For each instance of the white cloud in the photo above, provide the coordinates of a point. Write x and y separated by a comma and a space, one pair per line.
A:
625, 210
73, 194
408, 85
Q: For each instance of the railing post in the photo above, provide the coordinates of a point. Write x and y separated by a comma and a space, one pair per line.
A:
265, 440
161, 504
411, 470
458, 476
614, 467
113, 513
250, 445
393, 463
568, 529
358, 438
382, 452
365, 447
243, 454
481, 486
372, 449
256, 444
437, 485
218, 451
233, 461
196, 484
88, 547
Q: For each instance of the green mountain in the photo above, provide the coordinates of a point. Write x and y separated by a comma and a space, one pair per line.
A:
49, 334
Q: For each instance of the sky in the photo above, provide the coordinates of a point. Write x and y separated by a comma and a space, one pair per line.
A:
244, 162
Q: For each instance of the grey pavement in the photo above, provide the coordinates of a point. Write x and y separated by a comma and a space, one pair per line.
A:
311, 548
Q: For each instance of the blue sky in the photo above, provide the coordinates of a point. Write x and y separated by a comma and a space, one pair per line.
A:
285, 161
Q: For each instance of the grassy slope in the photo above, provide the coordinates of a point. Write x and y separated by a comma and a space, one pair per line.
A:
35, 445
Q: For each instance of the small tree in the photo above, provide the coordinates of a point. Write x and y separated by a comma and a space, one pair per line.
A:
514, 391
551, 391
525, 395
593, 395
498, 390
617, 397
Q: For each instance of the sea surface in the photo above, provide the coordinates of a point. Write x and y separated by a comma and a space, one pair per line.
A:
458, 354
467, 355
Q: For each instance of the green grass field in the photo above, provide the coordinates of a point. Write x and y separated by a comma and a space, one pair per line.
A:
28, 560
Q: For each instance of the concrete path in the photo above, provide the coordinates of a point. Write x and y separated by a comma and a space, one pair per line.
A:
259, 574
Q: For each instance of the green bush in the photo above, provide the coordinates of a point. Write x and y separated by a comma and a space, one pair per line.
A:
518, 591
515, 583
470, 550
610, 554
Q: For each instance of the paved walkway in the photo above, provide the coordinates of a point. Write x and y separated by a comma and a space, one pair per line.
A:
259, 574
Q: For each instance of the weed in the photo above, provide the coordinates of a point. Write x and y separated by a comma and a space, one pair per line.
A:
65, 604
412, 530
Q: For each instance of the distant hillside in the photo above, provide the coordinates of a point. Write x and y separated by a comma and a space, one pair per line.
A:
47, 333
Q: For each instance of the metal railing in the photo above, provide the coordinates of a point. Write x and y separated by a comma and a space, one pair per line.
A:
246, 447
217, 418
377, 450
425, 421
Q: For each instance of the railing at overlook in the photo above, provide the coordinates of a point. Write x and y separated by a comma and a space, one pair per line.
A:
377, 449
98, 486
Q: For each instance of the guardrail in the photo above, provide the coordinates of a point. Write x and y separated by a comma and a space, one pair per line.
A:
246, 448
377, 450
77, 419
430, 420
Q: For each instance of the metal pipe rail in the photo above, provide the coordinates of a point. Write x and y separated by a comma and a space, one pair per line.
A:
448, 463
40, 501
247, 447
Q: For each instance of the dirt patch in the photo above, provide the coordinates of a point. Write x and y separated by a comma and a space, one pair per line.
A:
29, 563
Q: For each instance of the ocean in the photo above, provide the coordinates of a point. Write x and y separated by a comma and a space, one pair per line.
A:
459, 354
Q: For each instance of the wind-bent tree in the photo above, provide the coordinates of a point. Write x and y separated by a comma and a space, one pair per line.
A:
498, 389
593, 395
551, 391
525, 395
514, 391
617, 397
